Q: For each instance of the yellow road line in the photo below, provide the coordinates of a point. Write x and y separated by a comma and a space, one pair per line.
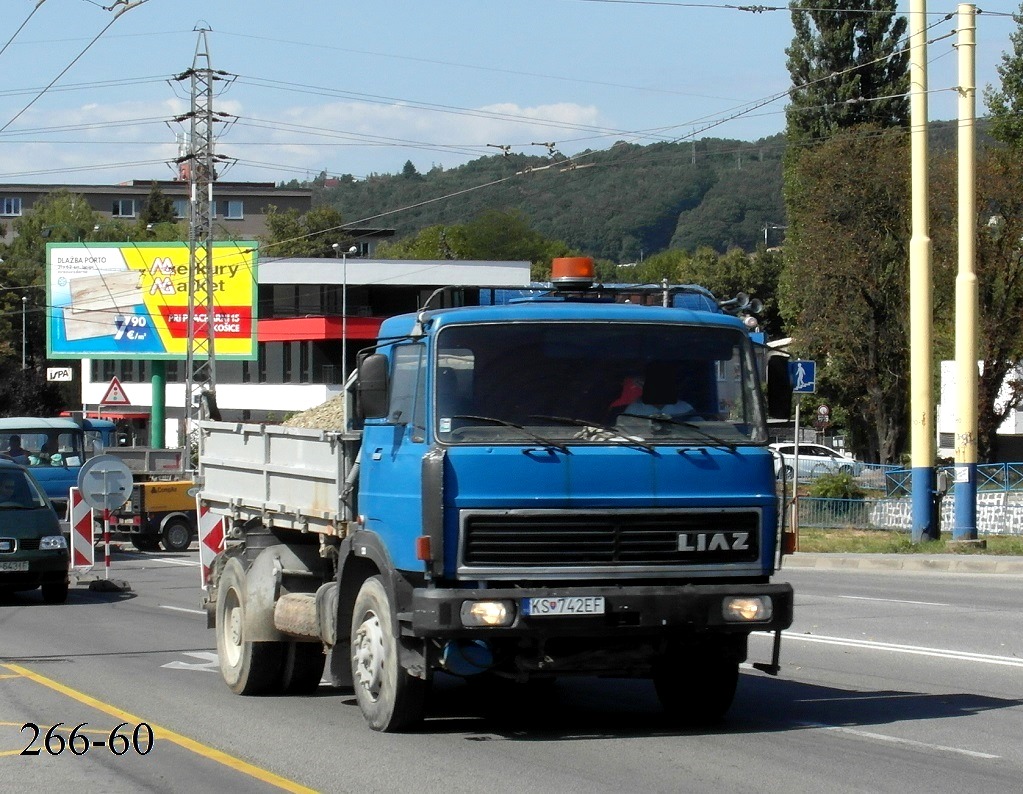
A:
165, 733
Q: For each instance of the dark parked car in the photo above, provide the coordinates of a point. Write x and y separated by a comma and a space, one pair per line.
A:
33, 551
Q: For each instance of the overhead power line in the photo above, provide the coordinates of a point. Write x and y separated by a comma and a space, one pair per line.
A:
126, 6
21, 27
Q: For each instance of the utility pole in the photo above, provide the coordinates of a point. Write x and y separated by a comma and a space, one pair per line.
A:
921, 303
965, 524
200, 364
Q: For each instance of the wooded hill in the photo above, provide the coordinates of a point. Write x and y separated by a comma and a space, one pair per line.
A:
621, 204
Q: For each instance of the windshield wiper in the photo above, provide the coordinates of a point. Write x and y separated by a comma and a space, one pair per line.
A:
680, 423
504, 422
608, 433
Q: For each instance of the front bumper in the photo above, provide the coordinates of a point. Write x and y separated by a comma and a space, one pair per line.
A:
43, 567
640, 609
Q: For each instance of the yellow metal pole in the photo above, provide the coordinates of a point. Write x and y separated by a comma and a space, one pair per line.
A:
965, 527
920, 289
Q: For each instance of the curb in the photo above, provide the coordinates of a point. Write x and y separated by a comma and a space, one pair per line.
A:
942, 563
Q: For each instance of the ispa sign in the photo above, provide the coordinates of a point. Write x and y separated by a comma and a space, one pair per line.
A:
113, 300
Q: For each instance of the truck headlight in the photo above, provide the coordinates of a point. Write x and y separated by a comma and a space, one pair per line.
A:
51, 542
487, 613
747, 609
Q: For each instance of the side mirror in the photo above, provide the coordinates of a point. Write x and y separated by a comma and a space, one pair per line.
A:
779, 388
372, 386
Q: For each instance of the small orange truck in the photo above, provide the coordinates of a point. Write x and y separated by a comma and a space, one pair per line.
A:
161, 509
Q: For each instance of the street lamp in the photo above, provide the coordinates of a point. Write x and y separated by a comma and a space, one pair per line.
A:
344, 306
24, 336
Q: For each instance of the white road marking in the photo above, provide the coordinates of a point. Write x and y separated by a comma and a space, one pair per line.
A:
175, 561
916, 650
931, 748
183, 609
896, 601
209, 662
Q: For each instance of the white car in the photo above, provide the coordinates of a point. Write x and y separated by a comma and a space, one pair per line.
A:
814, 460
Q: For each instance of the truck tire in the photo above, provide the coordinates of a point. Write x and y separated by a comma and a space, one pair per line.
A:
248, 668
391, 700
302, 668
145, 542
696, 688
177, 535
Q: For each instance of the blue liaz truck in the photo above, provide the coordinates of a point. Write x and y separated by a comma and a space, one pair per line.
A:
571, 484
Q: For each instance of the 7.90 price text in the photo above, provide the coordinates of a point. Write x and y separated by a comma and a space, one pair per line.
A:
120, 740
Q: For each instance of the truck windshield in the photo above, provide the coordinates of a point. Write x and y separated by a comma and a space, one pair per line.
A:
43, 447
597, 383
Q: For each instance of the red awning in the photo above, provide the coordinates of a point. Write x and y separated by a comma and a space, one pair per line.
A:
315, 329
138, 413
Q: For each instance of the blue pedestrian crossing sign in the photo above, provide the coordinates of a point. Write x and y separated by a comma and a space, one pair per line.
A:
803, 376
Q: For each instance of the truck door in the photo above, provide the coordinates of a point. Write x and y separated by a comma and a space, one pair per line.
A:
392, 454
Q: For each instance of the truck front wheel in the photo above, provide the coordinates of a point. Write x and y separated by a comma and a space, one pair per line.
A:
248, 668
177, 535
696, 687
390, 699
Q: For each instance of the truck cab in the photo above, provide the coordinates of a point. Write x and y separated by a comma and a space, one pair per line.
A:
564, 485
54, 450
569, 487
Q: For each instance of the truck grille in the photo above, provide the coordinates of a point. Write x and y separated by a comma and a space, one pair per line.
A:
535, 538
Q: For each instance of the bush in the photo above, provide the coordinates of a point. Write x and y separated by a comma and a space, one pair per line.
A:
836, 486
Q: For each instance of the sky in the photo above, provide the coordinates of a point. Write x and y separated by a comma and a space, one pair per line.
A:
358, 88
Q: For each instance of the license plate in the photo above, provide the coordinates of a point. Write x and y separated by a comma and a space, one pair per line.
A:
563, 606
8, 565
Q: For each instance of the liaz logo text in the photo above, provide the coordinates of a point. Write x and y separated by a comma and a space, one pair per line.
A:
715, 541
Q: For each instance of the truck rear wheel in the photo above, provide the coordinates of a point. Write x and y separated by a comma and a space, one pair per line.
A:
390, 699
696, 688
248, 668
145, 542
177, 535
302, 668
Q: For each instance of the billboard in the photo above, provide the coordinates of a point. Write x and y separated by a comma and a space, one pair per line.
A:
112, 300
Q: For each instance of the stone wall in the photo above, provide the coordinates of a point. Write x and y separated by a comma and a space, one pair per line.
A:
998, 513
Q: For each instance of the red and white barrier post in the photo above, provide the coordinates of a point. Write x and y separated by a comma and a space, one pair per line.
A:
211, 540
106, 543
83, 548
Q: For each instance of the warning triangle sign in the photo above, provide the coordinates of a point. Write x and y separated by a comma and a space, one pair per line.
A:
115, 394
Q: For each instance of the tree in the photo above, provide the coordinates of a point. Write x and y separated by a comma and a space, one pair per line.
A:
725, 275
58, 217
848, 66
845, 286
410, 172
27, 393
433, 242
843, 291
1005, 104
493, 235
313, 234
1000, 290
999, 252
158, 207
